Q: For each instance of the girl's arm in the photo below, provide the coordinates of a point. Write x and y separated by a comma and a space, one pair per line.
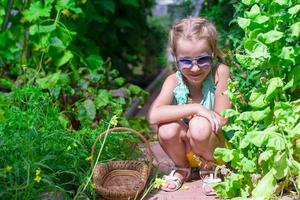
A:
222, 102
162, 110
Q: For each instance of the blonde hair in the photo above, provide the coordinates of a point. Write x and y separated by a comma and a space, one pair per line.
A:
195, 28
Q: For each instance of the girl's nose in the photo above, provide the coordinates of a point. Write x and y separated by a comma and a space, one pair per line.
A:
194, 67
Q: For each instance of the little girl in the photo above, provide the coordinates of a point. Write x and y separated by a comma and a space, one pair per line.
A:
187, 110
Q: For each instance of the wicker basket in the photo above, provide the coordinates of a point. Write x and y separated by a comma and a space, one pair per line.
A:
118, 180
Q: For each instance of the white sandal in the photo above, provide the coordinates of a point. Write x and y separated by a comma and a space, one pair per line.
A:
171, 178
209, 182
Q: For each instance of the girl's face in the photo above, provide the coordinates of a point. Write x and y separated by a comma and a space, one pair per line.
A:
194, 59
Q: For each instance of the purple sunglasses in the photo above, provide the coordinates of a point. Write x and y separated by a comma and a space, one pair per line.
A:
201, 62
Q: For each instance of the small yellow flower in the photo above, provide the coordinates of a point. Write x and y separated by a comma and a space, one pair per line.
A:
7, 168
37, 175
37, 172
66, 12
37, 179
185, 187
88, 158
159, 182
93, 185
75, 16
69, 148
114, 120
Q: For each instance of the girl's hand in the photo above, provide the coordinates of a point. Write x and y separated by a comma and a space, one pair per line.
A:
210, 116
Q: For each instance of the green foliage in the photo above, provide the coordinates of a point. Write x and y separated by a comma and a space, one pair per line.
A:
37, 153
266, 122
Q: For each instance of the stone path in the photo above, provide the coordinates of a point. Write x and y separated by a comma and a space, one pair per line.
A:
190, 190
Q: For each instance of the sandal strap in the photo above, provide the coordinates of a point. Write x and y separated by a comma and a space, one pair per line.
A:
174, 179
185, 169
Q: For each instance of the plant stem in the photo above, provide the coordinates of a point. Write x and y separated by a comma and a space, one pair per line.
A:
7, 14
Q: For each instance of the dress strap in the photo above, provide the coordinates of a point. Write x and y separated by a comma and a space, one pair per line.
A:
181, 92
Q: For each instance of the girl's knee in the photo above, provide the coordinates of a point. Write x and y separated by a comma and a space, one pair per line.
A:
168, 131
199, 129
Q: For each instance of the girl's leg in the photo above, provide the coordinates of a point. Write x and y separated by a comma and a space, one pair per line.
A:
202, 140
172, 138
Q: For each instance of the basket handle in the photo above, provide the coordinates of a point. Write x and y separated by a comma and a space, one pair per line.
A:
119, 129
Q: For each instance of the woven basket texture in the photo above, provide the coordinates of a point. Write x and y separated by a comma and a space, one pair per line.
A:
122, 180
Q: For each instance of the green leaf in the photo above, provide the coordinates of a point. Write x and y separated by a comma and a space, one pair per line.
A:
34, 29
261, 51
276, 142
280, 167
64, 59
49, 81
260, 115
294, 10
65, 4
257, 100
272, 36
258, 138
272, 90
283, 2
243, 22
103, 98
133, 3
248, 165
134, 89
295, 74
119, 81
36, 11
107, 5
95, 62
265, 156
254, 11
223, 154
265, 187
90, 109
56, 42
288, 53
247, 2
64, 121
5, 83
295, 30
260, 19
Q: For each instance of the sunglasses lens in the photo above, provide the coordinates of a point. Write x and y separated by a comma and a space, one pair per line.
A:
185, 63
203, 61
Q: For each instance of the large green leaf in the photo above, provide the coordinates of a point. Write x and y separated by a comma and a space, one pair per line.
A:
95, 62
34, 29
280, 168
265, 187
294, 10
64, 59
272, 36
254, 11
258, 138
272, 90
36, 11
223, 154
243, 22
276, 142
261, 51
257, 100
260, 114
103, 98
90, 109
295, 30
265, 156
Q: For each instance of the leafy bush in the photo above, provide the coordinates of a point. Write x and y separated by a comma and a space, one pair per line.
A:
38, 155
265, 153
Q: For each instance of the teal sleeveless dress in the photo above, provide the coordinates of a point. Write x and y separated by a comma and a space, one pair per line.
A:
181, 93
